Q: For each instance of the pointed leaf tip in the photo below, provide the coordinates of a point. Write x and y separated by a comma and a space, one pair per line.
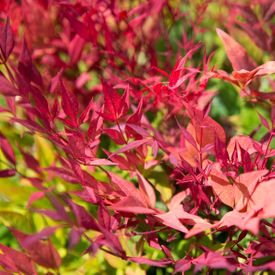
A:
235, 52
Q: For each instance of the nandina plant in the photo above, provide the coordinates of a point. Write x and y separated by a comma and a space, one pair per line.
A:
115, 153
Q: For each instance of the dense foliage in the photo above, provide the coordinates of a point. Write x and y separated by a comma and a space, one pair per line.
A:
136, 137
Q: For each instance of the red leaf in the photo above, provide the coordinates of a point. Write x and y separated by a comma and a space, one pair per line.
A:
132, 204
99, 162
147, 189
95, 127
16, 261
6, 41
88, 194
31, 162
6, 88
42, 252
84, 219
112, 103
133, 130
54, 215
131, 145
26, 67
264, 121
207, 129
43, 234
104, 218
115, 105
177, 78
41, 103
136, 116
85, 114
85, 31
213, 260
182, 265
236, 53
6, 173
75, 49
74, 237
63, 173
266, 69
34, 197
112, 241
115, 135
122, 186
69, 105
143, 260
245, 76
7, 149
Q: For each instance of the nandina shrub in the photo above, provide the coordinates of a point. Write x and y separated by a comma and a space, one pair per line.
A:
111, 158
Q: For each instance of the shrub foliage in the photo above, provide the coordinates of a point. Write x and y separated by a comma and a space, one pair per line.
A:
135, 136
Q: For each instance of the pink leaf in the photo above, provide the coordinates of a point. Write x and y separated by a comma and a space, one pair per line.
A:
171, 219
213, 260
177, 199
264, 122
222, 187
244, 186
99, 162
266, 69
34, 197
177, 214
